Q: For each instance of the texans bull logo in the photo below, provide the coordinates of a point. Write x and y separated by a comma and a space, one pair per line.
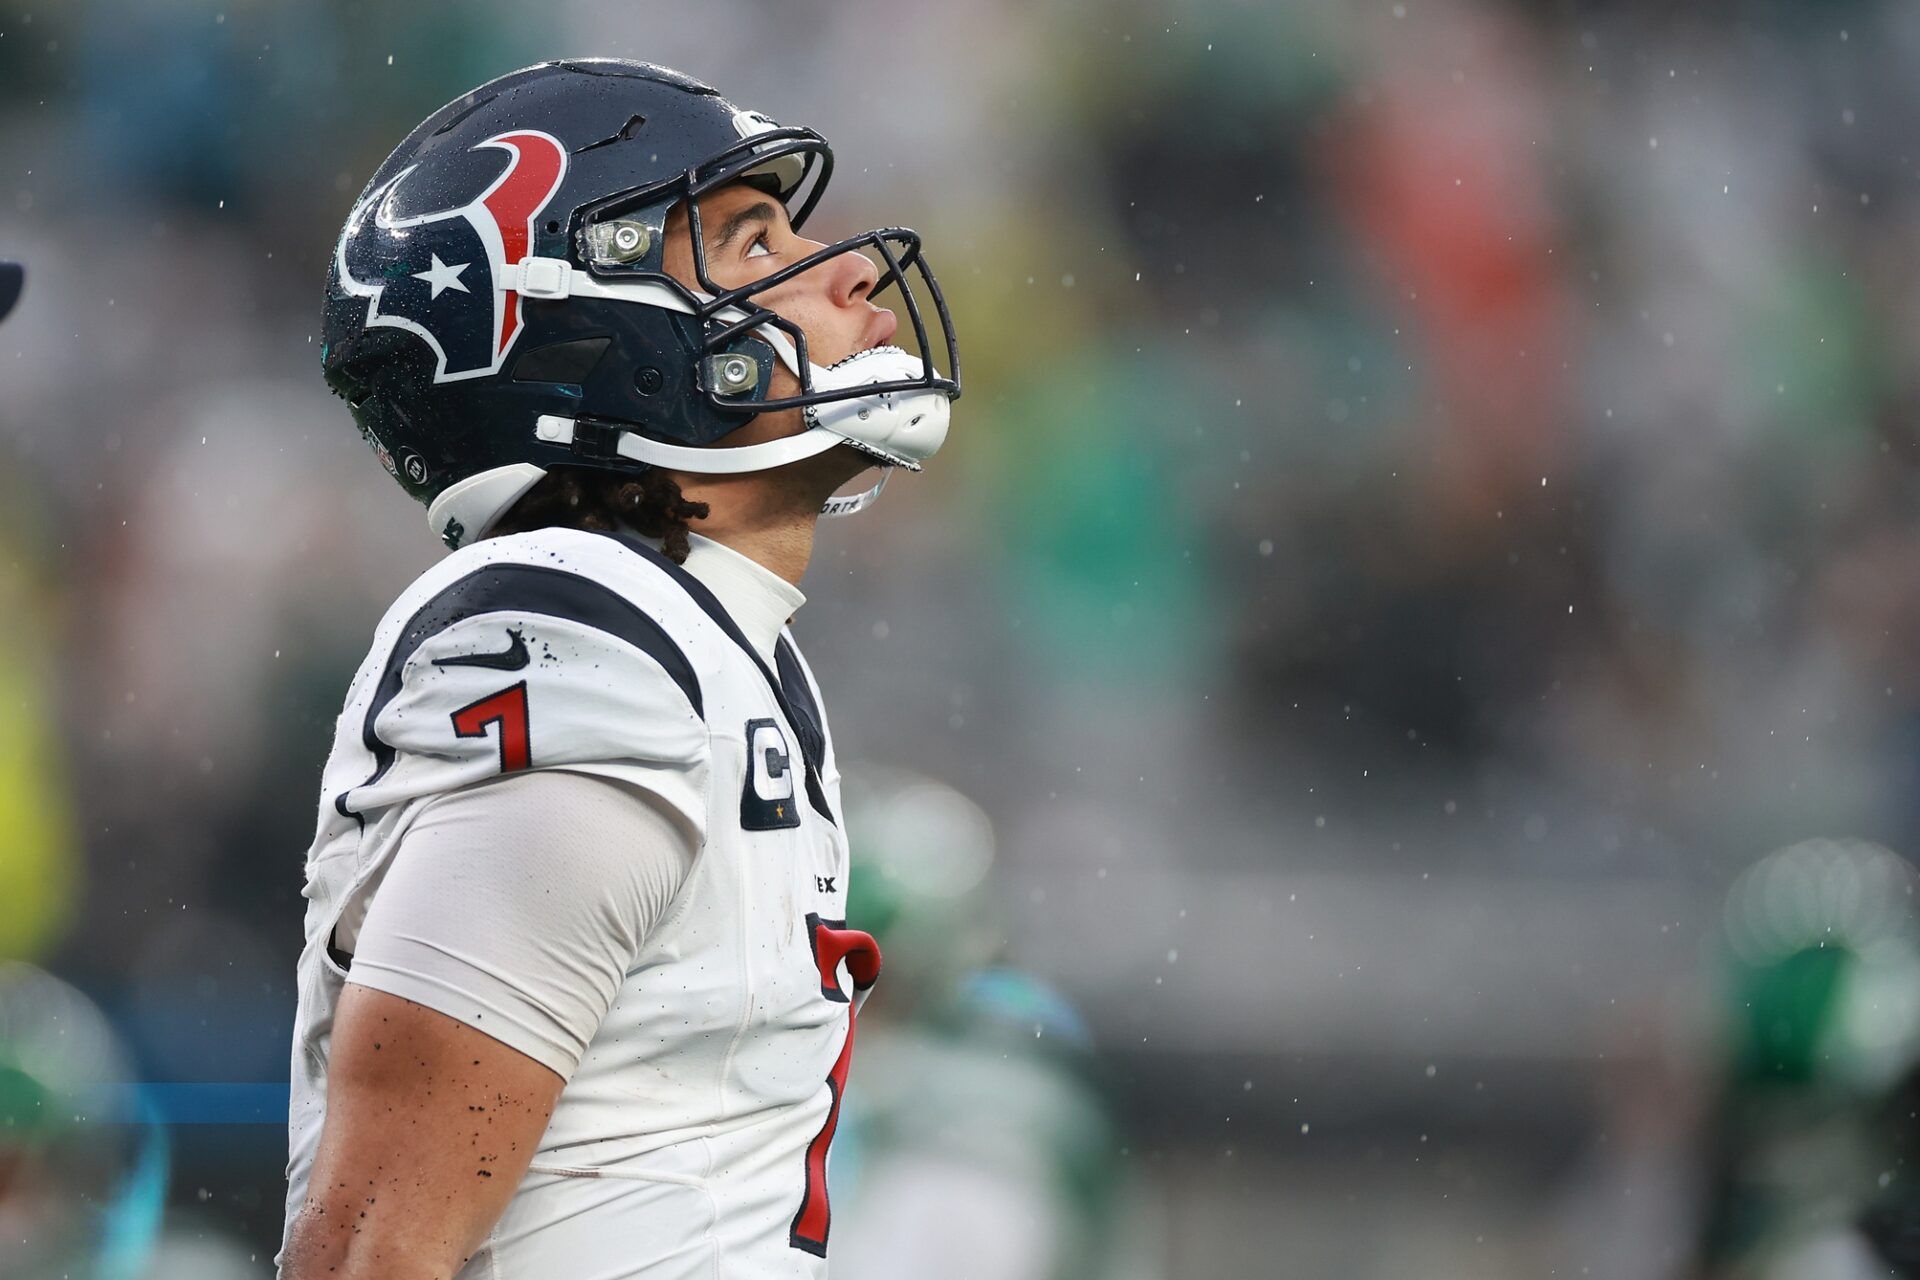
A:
437, 274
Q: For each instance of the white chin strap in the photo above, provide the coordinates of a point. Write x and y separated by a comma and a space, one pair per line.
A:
904, 428
717, 462
467, 508
898, 428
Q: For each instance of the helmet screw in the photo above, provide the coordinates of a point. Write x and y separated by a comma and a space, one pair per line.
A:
647, 380
618, 242
731, 375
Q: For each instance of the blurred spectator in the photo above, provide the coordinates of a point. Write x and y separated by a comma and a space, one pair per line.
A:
977, 1144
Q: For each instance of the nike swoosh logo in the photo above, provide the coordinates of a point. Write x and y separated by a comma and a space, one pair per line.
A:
512, 660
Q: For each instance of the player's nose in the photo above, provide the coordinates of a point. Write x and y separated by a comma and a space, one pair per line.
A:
855, 279
846, 278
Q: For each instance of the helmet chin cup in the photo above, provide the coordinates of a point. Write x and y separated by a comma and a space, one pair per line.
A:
904, 428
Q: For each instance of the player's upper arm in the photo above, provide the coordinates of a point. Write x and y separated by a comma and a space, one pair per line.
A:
517, 905
517, 667
430, 1127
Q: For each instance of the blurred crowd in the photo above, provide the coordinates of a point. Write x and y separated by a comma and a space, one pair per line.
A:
1435, 503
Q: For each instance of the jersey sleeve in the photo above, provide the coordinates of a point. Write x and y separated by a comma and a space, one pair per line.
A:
516, 906
517, 667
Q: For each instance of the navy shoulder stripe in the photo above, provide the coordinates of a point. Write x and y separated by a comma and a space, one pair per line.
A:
807, 725
521, 588
700, 594
806, 713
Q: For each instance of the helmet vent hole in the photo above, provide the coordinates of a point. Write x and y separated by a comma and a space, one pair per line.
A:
463, 113
626, 134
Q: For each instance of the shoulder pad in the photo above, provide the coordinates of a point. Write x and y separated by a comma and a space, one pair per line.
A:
521, 665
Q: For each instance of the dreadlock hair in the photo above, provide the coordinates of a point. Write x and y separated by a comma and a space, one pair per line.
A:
649, 503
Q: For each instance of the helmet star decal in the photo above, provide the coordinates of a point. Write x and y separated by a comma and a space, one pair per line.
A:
440, 276
436, 275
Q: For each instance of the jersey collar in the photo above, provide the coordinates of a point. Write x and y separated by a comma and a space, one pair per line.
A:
759, 599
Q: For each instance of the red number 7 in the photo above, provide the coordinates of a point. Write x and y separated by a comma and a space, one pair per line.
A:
508, 709
832, 943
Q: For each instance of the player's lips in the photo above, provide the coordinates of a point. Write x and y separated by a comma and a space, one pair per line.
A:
880, 329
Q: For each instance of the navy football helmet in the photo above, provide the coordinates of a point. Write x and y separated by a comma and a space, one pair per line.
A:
498, 302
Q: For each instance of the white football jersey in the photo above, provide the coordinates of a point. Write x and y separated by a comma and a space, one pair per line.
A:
692, 1139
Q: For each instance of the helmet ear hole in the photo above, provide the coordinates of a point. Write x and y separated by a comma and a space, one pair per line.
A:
565, 362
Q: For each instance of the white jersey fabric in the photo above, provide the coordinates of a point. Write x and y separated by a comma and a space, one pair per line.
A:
691, 1138
517, 905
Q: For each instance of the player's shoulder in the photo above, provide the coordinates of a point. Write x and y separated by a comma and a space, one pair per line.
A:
547, 566
557, 603
556, 648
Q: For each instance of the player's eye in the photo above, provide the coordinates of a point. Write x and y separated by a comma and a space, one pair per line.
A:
759, 247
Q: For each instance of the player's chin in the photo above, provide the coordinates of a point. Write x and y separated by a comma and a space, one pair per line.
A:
843, 462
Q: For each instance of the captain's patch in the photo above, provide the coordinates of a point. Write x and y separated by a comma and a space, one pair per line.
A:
766, 801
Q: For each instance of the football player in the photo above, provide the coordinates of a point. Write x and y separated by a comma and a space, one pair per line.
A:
578, 992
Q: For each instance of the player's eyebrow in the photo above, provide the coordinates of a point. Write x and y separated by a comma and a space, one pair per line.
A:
761, 211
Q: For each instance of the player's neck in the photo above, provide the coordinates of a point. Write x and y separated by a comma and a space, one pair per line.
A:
770, 516
783, 548
771, 524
